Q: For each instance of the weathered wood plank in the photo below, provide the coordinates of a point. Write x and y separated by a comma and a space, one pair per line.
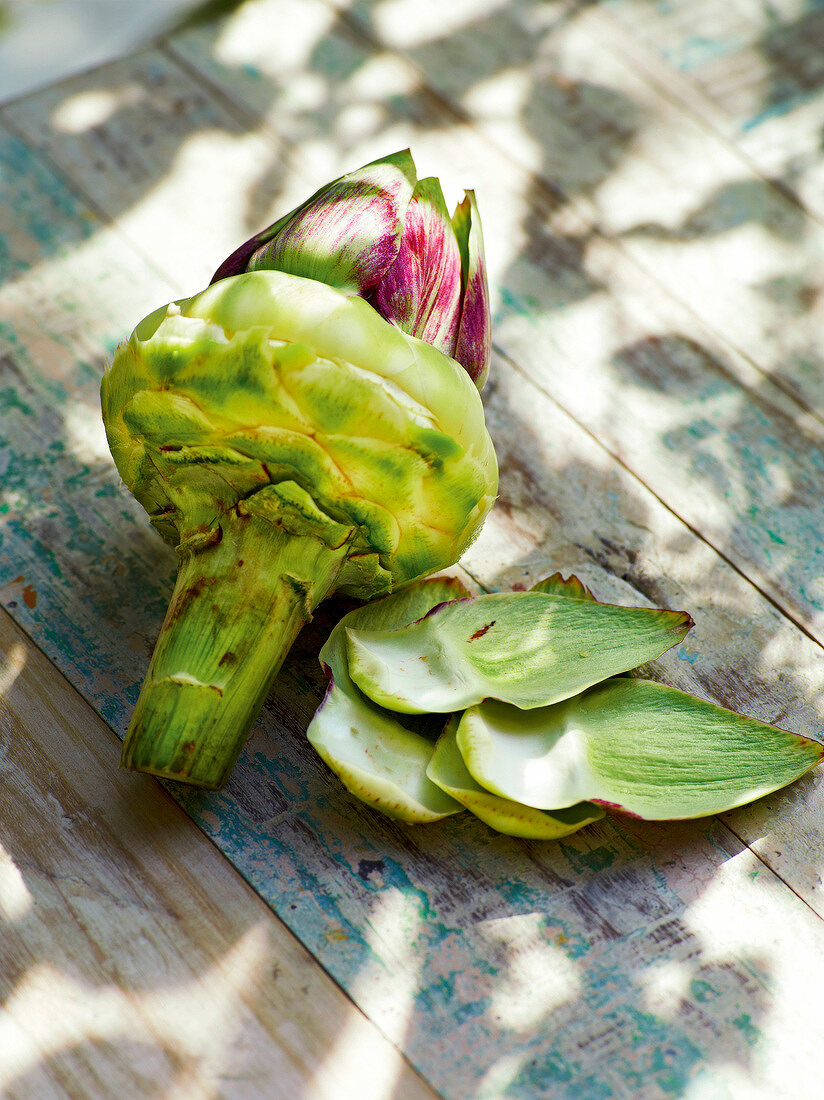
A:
135, 960
133, 136
753, 71
520, 327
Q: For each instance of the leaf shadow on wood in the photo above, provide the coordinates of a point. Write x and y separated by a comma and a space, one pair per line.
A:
739, 444
133, 960
757, 201
792, 49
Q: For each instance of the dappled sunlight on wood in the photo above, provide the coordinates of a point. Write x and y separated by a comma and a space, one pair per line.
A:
15, 899
132, 951
539, 976
81, 112
13, 664
195, 1025
657, 405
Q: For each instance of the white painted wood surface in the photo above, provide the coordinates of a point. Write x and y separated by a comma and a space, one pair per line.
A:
656, 403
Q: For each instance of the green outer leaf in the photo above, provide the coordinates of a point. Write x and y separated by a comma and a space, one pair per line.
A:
570, 587
336, 326
633, 745
447, 769
380, 761
529, 649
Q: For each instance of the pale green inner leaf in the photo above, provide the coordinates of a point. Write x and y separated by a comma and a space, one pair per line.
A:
448, 770
526, 648
375, 756
640, 746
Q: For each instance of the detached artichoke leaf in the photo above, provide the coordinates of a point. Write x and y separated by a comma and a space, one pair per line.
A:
379, 760
558, 585
448, 770
634, 746
528, 649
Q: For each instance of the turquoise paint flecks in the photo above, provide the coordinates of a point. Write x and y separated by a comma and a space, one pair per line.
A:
701, 429
778, 109
542, 1076
670, 1059
510, 302
698, 51
9, 400
702, 991
440, 998
594, 859
751, 1033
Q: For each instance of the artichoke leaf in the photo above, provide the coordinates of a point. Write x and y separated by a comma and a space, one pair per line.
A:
632, 745
525, 648
474, 344
448, 770
376, 757
558, 585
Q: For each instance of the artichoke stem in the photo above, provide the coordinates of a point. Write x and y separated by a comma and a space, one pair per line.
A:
244, 589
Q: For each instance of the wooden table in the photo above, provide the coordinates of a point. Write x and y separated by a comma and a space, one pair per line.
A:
650, 178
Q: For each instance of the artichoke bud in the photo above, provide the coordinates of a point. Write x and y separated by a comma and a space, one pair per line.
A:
290, 441
383, 235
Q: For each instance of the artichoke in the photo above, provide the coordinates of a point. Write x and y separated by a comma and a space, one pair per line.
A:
298, 428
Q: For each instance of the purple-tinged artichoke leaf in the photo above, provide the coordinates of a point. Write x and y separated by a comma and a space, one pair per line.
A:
238, 262
421, 291
474, 344
346, 235
448, 770
634, 746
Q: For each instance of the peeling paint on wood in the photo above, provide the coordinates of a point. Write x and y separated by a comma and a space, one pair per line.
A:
661, 442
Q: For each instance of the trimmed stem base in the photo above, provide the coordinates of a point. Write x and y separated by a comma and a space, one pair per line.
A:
239, 602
